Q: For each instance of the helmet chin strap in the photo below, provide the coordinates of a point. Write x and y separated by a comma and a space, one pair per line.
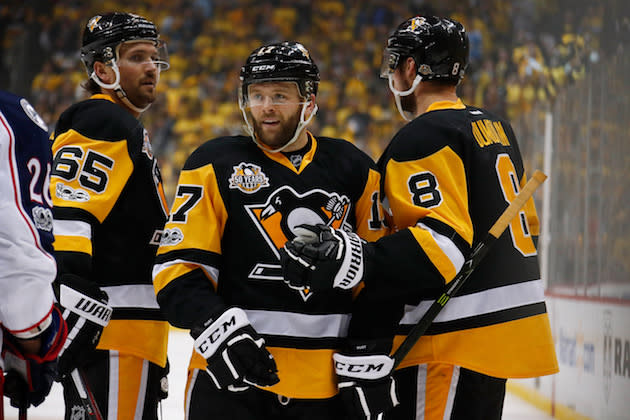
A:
117, 88
301, 126
407, 116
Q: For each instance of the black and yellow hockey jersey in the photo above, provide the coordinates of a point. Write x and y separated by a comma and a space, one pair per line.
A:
236, 205
447, 176
109, 211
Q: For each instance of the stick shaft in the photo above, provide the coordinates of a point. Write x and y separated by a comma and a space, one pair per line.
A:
515, 206
85, 395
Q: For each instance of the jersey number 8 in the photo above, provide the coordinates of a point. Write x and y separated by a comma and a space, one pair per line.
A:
519, 228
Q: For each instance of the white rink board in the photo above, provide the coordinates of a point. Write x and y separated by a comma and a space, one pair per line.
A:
592, 340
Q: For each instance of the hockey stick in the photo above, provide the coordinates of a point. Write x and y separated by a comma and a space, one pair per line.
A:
85, 395
469, 265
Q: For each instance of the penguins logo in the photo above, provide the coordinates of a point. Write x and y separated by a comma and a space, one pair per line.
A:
285, 209
93, 23
248, 178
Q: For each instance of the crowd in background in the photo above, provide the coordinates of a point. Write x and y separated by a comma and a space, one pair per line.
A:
521, 53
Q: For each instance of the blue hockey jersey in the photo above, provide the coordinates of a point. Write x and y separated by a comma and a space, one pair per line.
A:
27, 267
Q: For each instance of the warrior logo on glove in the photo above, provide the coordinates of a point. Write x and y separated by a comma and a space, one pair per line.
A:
285, 209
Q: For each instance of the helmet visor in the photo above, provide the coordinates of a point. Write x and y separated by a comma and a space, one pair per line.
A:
142, 57
275, 93
390, 61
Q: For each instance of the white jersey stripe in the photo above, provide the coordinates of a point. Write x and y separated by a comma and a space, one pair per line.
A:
114, 378
211, 272
447, 246
72, 228
421, 386
452, 392
143, 391
299, 325
487, 301
131, 296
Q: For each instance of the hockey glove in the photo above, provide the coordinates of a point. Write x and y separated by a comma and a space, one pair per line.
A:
30, 376
86, 311
366, 384
322, 257
236, 354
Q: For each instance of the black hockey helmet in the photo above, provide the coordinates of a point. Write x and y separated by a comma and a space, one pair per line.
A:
287, 61
103, 33
439, 46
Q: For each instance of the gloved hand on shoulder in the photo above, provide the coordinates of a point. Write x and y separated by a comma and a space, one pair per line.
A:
323, 258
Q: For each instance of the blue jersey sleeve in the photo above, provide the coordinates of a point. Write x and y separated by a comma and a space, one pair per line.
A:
26, 231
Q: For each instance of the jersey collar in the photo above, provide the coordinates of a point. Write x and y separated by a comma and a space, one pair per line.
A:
284, 161
102, 96
435, 106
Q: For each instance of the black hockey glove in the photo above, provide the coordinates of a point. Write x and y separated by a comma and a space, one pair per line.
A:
322, 257
30, 376
366, 384
236, 354
86, 311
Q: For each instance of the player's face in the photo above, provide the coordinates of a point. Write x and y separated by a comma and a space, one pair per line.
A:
139, 72
275, 109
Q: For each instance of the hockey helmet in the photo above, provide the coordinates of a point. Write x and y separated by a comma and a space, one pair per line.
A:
286, 61
102, 37
103, 34
439, 46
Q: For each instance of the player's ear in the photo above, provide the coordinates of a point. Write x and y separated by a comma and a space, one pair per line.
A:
310, 104
104, 72
409, 68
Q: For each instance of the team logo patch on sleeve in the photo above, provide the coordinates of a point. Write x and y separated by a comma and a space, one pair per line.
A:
248, 178
43, 218
171, 237
68, 193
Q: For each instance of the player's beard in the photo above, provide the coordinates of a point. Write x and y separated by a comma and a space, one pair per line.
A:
141, 95
282, 136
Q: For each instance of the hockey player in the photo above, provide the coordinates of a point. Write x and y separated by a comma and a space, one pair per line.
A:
446, 177
262, 349
32, 331
109, 209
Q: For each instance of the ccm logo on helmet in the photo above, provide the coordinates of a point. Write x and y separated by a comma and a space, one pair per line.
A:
264, 67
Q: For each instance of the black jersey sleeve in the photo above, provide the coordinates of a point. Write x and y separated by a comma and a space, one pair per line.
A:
186, 270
